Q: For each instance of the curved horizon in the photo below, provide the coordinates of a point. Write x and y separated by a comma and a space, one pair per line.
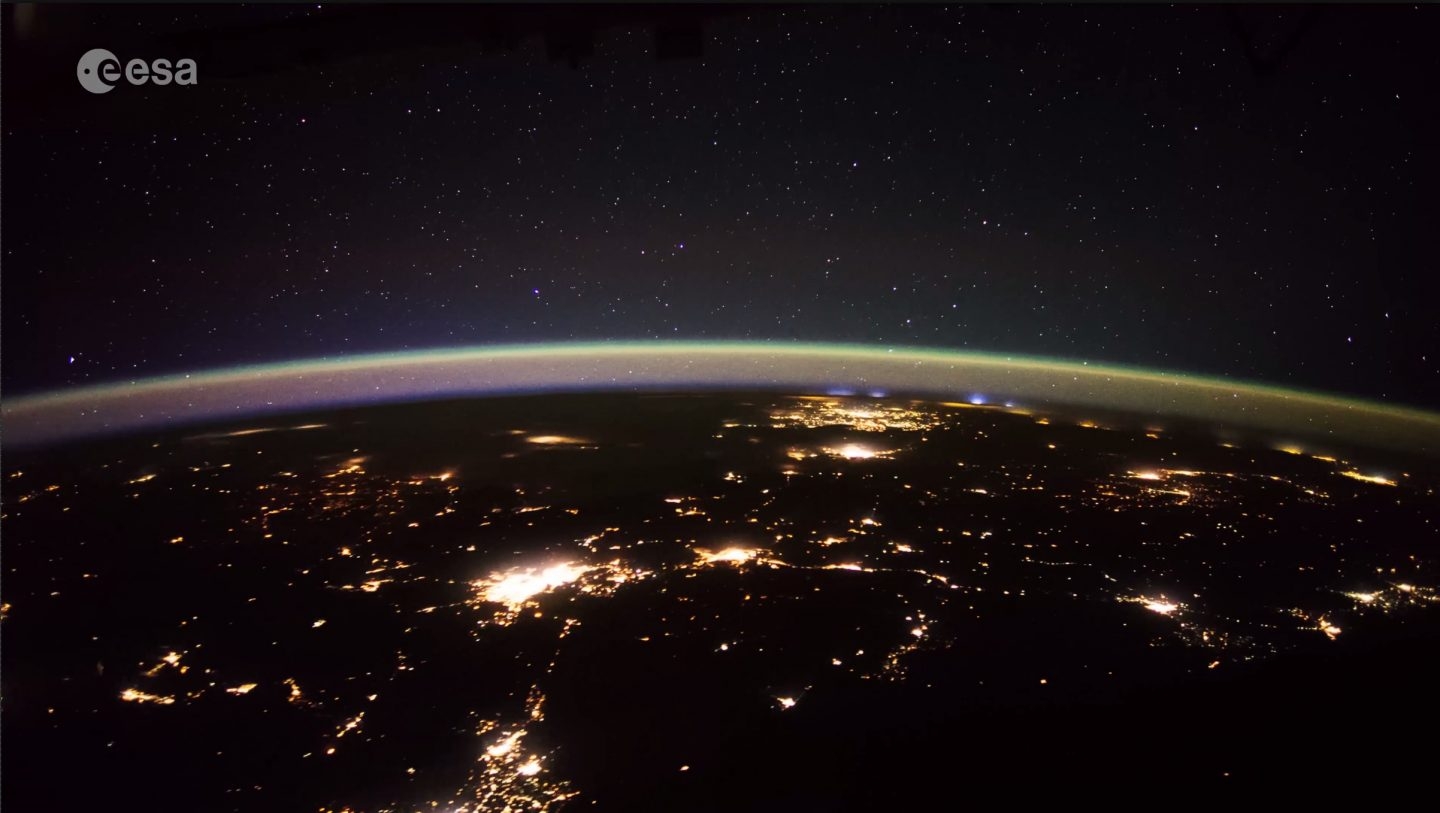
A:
806, 368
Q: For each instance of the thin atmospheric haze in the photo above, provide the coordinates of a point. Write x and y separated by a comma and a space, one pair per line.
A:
1232, 192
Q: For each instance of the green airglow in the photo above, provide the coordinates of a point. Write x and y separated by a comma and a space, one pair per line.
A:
482, 370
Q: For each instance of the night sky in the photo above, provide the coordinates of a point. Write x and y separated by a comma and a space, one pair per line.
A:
1236, 192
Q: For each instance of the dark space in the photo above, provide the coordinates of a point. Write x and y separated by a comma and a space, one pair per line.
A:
1240, 191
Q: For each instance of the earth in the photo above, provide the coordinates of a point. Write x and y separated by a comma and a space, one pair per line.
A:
709, 602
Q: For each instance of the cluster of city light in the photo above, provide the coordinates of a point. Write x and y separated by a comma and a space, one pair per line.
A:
346, 489
1215, 632
171, 660
1158, 476
1160, 605
858, 451
1353, 474
519, 589
1320, 622
1374, 479
556, 440
137, 696
815, 412
893, 666
1394, 596
727, 556
295, 696
510, 778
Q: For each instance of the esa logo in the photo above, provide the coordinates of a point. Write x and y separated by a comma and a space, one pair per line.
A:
99, 71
